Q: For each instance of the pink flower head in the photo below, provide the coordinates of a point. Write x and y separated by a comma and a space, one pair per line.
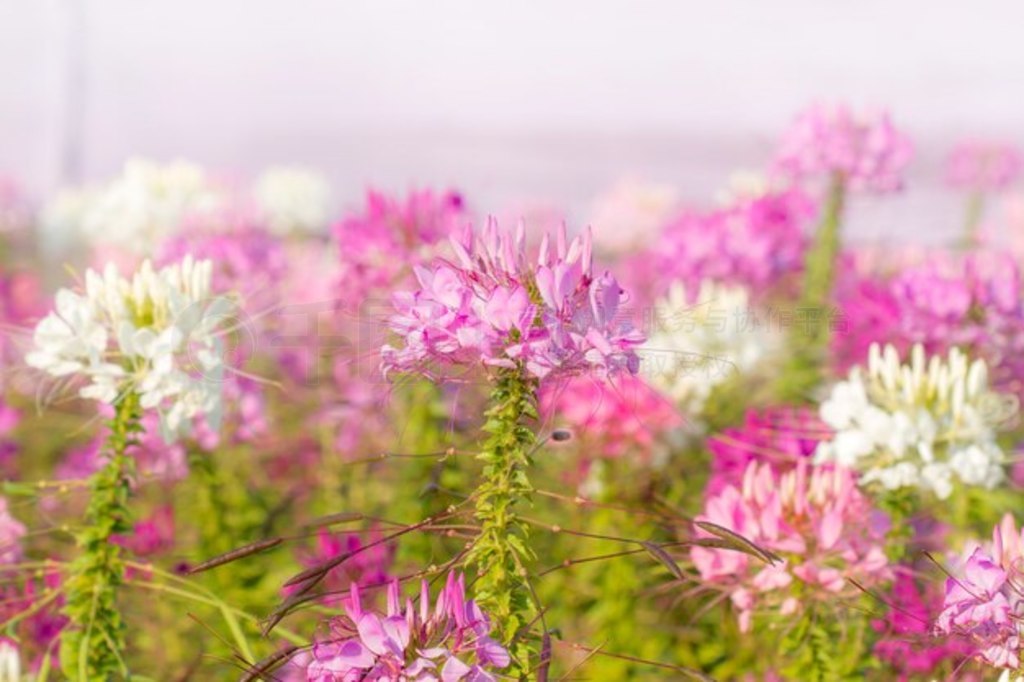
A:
814, 518
906, 643
490, 306
867, 151
367, 566
755, 242
983, 167
780, 436
984, 604
972, 301
152, 535
379, 245
620, 418
448, 643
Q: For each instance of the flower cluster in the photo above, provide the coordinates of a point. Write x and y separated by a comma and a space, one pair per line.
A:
866, 151
379, 245
450, 642
701, 340
822, 527
756, 241
490, 306
142, 206
972, 301
782, 436
155, 334
983, 167
906, 643
985, 602
920, 425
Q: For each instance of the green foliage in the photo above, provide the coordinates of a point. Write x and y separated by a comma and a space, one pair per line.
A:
93, 644
812, 324
501, 550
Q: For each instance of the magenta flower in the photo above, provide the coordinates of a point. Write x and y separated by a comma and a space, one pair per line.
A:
490, 307
755, 242
378, 246
364, 567
815, 518
866, 151
620, 419
449, 643
983, 167
779, 436
984, 604
972, 301
905, 642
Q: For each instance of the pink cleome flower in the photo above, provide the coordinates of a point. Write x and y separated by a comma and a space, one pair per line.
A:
490, 307
867, 151
985, 602
450, 642
814, 518
980, 166
755, 242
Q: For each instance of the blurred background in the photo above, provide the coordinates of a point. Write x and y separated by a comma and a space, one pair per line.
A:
516, 103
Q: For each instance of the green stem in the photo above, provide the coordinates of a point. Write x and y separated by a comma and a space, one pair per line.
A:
972, 220
93, 643
501, 550
812, 330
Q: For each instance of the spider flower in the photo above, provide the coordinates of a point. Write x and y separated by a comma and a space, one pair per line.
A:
983, 167
780, 436
450, 642
701, 340
155, 334
756, 241
814, 518
378, 245
866, 151
293, 200
490, 306
924, 424
144, 204
984, 602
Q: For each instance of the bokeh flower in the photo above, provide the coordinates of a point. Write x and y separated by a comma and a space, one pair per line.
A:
866, 150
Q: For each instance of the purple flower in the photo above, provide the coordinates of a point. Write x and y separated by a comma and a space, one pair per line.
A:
449, 643
490, 307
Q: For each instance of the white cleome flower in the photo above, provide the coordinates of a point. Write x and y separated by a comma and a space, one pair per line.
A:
293, 200
10, 662
155, 334
925, 424
695, 346
144, 204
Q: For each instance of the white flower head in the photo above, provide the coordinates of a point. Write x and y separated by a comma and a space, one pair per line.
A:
293, 200
697, 344
146, 203
156, 334
922, 424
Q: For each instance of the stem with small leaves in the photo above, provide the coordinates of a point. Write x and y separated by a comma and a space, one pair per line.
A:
812, 331
93, 643
501, 550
